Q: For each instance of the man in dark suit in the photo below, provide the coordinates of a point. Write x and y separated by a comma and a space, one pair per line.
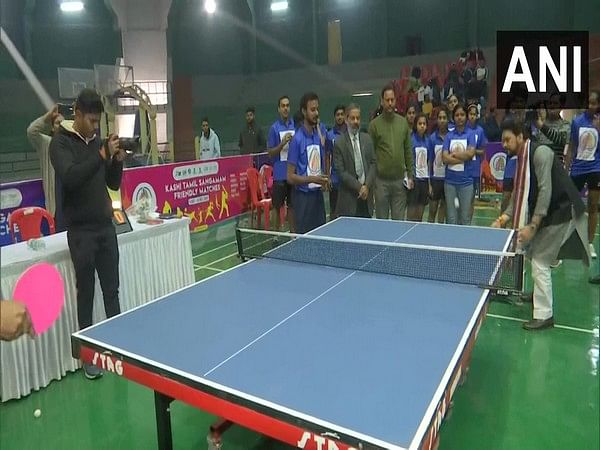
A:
354, 160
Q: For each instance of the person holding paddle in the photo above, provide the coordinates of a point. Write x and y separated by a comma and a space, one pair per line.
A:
14, 320
548, 213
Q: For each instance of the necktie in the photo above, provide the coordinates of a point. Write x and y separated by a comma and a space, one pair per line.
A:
360, 171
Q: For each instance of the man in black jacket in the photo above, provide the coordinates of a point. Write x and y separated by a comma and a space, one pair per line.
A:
85, 166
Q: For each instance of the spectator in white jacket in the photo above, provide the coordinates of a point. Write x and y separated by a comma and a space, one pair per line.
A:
40, 133
209, 148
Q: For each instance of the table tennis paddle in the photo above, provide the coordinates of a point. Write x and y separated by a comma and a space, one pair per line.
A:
40, 288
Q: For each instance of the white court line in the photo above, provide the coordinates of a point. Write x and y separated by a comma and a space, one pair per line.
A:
562, 327
444, 383
260, 243
281, 322
259, 401
214, 249
228, 256
408, 231
214, 269
223, 258
207, 266
424, 223
80, 334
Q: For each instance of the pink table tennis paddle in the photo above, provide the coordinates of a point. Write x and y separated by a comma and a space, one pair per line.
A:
40, 288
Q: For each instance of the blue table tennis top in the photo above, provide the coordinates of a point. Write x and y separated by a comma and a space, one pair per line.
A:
359, 351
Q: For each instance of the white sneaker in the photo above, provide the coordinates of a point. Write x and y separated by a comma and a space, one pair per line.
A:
593, 251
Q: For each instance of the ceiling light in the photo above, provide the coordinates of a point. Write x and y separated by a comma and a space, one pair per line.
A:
70, 6
279, 6
210, 6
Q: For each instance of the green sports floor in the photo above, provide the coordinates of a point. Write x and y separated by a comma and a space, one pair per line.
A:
525, 390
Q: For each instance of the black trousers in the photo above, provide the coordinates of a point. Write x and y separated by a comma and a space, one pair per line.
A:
309, 210
362, 208
95, 250
333, 196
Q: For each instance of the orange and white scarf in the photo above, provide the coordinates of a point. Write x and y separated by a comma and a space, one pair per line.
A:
521, 188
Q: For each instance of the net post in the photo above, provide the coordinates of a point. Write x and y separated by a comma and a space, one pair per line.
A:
520, 271
238, 238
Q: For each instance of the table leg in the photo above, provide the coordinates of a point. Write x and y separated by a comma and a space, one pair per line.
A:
215, 433
163, 421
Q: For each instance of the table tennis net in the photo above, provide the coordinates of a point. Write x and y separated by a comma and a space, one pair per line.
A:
497, 270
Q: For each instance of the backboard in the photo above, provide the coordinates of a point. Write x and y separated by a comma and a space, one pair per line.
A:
71, 81
109, 78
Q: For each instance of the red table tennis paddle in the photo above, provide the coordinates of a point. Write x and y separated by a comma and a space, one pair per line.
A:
40, 288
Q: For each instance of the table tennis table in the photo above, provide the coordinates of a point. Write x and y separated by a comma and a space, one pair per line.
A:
314, 356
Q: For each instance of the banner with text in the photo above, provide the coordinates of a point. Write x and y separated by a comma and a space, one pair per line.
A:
17, 195
205, 191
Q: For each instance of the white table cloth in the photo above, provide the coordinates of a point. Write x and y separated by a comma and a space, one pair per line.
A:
154, 261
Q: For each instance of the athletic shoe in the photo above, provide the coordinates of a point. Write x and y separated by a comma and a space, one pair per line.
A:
92, 372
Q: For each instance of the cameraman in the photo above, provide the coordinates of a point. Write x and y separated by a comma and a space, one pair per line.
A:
85, 166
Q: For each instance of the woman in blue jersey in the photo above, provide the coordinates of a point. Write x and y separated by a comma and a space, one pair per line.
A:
422, 162
458, 150
437, 204
583, 159
480, 143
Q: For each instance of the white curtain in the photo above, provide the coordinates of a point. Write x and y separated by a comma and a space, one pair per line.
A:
154, 261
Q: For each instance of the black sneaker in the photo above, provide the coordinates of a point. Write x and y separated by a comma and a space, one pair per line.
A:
539, 324
92, 372
526, 297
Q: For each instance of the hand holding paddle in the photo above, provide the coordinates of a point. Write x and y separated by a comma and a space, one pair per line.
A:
41, 291
14, 320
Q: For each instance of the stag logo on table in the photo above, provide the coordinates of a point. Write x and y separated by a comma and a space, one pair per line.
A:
320, 442
144, 192
195, 170
532, 65
107, 362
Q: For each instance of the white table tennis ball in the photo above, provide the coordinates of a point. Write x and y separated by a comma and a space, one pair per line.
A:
37, 413
456, 203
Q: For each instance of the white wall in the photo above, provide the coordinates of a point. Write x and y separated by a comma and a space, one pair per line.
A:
143, 25
146, 51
